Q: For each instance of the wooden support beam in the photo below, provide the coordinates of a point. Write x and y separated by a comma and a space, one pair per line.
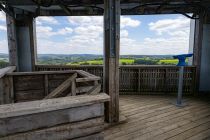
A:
12, 41
198, 36
111, 60
95, 90
60, 89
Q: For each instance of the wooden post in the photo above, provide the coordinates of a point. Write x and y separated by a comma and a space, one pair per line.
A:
198, 35
22, 42
12, 42
111, 60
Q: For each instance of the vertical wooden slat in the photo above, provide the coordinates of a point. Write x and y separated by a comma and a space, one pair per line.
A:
1, 91
11, 86
73, 88
145, 79
46, 84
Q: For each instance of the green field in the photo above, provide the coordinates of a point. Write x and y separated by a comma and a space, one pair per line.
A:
168, 61
130, 61
123, 61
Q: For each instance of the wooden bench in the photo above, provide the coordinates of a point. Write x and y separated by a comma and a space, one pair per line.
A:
72, 117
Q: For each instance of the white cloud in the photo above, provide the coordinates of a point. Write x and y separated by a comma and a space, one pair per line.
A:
98, 21
64, 31
75, 45
129, 22
170, 26
3, 46
87, 37
3, 28
47, 31
123, 33
2, 16
47, 20
89, 31
86, 20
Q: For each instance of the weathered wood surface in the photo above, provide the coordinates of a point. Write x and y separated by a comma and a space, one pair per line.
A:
136, 79
59, 118
97, 136
156, 118
112, 12
5, 92
17, 109
28, 86
94, 90
49, 119
7, 70
79, 130
61, 88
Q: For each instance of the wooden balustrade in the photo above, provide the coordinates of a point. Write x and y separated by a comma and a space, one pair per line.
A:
136, 79
4, 65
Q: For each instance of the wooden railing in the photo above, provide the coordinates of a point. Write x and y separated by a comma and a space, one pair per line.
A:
137, 79
4, 65
4, 84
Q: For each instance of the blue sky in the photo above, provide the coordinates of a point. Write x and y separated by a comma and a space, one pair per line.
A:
143, 35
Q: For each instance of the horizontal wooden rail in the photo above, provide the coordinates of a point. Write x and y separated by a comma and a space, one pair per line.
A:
138, 79
74, 117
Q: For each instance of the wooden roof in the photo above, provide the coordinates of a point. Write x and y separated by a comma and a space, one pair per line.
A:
96, 7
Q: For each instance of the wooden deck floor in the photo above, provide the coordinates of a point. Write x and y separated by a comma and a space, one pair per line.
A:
154, 117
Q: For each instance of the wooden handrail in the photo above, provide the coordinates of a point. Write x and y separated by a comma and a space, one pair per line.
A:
139, 79
7, 70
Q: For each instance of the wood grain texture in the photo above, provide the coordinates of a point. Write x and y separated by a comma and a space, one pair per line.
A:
140, 79
61, 88
17, 109
156, 118
7, 70
95, 90
49, 119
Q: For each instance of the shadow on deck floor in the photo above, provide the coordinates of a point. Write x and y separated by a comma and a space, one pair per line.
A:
155, 117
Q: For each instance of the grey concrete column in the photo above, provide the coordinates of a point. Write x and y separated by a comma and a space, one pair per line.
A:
22, 42
111, 57
204, 85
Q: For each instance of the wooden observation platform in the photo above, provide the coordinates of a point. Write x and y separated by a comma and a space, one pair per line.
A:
83, 117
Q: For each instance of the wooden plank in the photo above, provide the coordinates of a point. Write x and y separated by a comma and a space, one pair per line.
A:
29, 82
161, 121
46, 85
29, 95
73, 88
48, 119
85, 74
97, 136
63, 131
18, 109
1, 91
95, 90
43, 72
11, 86
7, 70
60, 89
59, 76
83, 89
87, 79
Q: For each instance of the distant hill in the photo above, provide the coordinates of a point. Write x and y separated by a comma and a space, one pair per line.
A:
64, 59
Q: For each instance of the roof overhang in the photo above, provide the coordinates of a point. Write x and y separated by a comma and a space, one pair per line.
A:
96, 7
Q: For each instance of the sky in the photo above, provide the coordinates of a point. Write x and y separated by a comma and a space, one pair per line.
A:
140, 35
